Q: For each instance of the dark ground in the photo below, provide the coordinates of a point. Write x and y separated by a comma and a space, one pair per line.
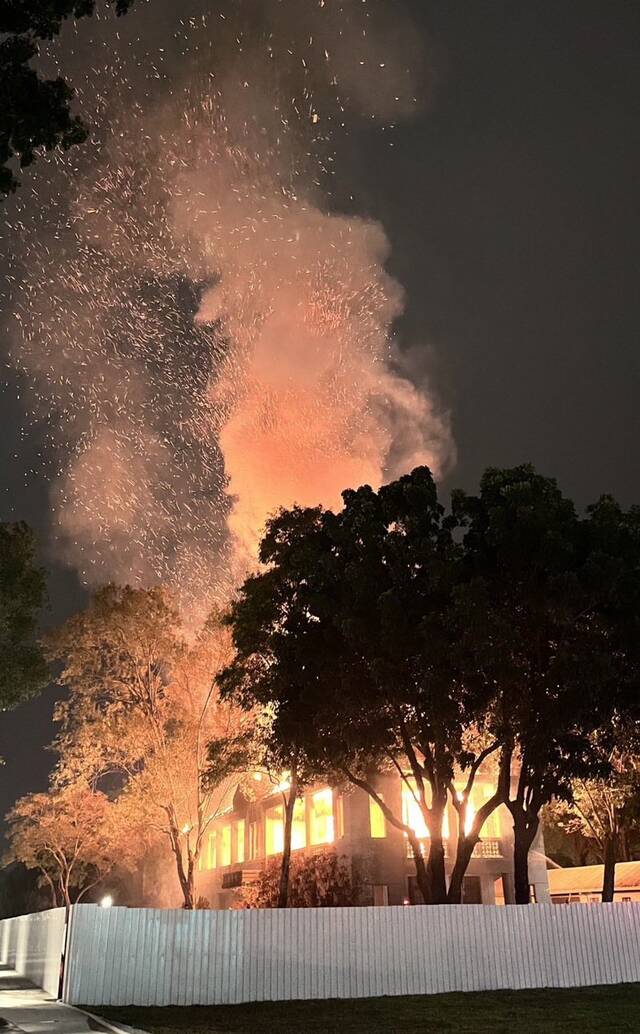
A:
589, 1010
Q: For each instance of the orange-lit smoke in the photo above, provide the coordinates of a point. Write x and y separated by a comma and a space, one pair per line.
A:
212, 337
312, 396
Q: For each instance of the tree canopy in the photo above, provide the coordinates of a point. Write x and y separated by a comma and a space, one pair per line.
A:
537, 629
73, 836
143, 710
351, 634
395, 635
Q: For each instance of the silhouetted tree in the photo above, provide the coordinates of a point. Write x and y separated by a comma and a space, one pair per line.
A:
541, 629
286, 765
35, 112
382, 641
350, 634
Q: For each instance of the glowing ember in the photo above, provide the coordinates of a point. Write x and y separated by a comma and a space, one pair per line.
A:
211, 340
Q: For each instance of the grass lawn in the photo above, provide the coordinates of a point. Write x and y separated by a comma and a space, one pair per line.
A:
588, 1010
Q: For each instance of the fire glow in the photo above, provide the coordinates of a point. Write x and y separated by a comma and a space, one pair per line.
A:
215, 342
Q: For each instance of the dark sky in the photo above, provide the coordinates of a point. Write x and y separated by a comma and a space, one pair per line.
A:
512, 207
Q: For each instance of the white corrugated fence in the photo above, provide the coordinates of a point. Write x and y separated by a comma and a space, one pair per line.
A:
33, 945
122, 956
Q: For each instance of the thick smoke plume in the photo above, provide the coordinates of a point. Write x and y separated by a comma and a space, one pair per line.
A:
214, 338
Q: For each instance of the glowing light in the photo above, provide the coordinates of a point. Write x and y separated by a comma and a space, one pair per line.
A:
284, 783
470, 815
299, 826
274, 830
240, 841
377, 821
412, 815
481, 793
106, 901
321, 824
224, 845
211, 851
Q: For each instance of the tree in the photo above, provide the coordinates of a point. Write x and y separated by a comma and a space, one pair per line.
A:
322, 880
542, 635
350, 635
35, 112
382, 638
605, 811
287, 769
23, 670
143, 709
290, 782
73, 837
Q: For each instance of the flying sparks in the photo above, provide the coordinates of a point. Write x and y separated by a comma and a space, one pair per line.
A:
214, 340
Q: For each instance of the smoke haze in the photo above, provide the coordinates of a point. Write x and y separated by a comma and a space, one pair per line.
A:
213, 337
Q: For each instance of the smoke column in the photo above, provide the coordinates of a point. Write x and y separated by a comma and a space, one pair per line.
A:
210, 337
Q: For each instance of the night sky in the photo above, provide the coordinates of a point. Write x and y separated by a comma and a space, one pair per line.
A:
511, 203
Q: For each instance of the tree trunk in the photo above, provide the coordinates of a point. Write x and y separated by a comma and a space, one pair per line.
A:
436, 873
436, 870
466, 842
524, 832
52, 888
422, 876
190, 896
64, 887
285, 868
186, 879
464, 852
609, 875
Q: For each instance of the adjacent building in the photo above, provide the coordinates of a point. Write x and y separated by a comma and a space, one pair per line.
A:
349, 822
582, 884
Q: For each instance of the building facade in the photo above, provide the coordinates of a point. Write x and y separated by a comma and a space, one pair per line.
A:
349, 822
582, 884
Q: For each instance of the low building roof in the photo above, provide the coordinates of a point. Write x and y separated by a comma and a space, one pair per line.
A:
587, 879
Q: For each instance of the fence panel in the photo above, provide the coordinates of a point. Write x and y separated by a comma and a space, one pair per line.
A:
33, 945
122, 956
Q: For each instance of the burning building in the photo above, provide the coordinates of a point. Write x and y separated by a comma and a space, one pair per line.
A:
351, 824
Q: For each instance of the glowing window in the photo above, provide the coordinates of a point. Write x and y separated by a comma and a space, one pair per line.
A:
412, 816
253, 840
491, 827
321, 826
469, 817
338, 808
211, 851
274, 830
224, 845
240, 841
377, 822
298, 826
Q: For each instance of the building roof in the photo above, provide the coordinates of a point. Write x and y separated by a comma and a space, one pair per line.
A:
587, 879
